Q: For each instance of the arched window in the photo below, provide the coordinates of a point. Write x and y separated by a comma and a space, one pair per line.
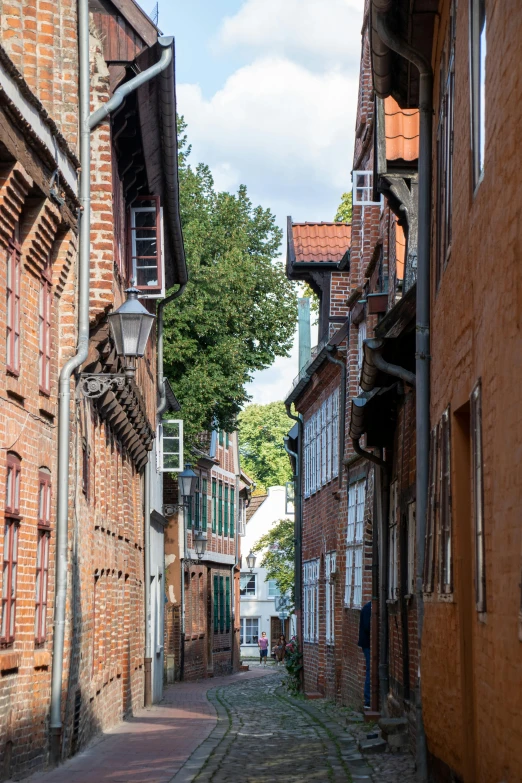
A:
11, 531
42, 555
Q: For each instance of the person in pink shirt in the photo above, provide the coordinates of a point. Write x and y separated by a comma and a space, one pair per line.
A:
263, 648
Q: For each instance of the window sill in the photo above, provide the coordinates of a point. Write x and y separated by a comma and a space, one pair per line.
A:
9, 660
42, 659
392, 601
446, 598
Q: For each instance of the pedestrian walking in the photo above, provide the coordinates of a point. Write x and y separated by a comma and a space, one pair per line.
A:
279, 649
365, 622
263, 648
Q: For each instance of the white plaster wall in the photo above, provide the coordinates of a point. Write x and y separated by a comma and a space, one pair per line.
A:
262, 606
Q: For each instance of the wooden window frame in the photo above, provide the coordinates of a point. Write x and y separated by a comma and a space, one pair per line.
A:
42, 556
147, 291
478, 71
432, 515
220, 508
216, 603
13, 296
445, 520
330, 568
221, 604
355, 544
393, 543
445, 137
478, 497
44, 329
227, 604
12, 519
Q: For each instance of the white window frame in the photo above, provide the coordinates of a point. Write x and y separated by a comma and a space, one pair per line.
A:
321, 445
362, 183
149, 292
393, 544
330, 569
272, 583
243, 622
361, 337
477, 60
355, 544
247, 596
412, 530
311, 601
160, 452
335, 433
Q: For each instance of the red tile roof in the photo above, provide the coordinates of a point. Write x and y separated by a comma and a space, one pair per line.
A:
402, 131
321, 241
255, 502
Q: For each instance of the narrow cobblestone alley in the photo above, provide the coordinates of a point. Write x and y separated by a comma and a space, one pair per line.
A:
261, 734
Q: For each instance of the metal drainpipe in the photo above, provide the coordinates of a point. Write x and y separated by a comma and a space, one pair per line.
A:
422, 342
367, 454
298, 522
87, 123
342, 417
147, 659
393, 369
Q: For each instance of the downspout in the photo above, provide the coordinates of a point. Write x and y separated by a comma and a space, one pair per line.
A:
64, 395
87, 123
342, 417
367, 454
147, 660
393, 369
422, 342
298, 522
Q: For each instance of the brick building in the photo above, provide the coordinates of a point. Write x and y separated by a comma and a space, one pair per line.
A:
470, 584
107, 550
203, 616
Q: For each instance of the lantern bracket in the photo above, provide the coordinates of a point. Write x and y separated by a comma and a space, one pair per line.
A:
95, 384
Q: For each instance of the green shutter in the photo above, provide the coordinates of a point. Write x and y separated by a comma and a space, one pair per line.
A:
227, 605
232, 511
205, 505
189, 514
214, 504
220, 437
226, 509
220, 510
197, 511
221, 605
228, 440
216, 607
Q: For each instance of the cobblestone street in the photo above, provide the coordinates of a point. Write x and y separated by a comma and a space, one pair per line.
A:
261, 734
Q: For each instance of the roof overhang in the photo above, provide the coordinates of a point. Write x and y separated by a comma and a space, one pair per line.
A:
413, 22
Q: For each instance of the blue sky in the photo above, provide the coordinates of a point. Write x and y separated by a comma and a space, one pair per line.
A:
269, 91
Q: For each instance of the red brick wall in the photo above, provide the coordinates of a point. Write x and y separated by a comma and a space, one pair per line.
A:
472, 698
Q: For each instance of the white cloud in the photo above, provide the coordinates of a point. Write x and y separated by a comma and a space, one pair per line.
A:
317, 32
283, 130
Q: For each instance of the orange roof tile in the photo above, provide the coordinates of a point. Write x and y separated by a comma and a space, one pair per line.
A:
402, 131
255, 502
321, 241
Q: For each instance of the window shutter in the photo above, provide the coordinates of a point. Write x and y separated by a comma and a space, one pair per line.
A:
232, 511
227, 604
170, 446
220, 509
221, 604
216, 604
226, 510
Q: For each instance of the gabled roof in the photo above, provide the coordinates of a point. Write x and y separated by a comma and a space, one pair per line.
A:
321, 242
255, 503
401, 127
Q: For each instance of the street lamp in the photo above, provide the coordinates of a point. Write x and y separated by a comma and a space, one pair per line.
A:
200, 543
187, 482
251, 561
130, 328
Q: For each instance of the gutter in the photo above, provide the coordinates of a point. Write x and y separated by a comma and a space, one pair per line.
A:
87, 123
374, 362
298, 520
422, 344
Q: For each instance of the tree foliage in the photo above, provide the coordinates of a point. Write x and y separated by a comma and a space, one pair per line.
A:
238, 312
344, 210
279, 562
261, 446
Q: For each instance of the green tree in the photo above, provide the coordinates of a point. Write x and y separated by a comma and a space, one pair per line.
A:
261, 446
344, 210
238, 312
278, 559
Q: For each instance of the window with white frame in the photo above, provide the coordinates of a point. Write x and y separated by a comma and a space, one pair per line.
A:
248, 585
478, 85
330, 569
355, 544
411, 548
321, 445
273, 589
249, 631
170, 445
362, 189
311, 600
393, 545
146, 226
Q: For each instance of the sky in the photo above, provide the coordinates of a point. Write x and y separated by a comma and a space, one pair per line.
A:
269, 91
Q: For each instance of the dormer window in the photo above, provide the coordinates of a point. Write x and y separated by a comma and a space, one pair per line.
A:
146, 246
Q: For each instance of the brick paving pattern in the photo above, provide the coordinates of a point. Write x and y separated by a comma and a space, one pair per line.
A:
244, 727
